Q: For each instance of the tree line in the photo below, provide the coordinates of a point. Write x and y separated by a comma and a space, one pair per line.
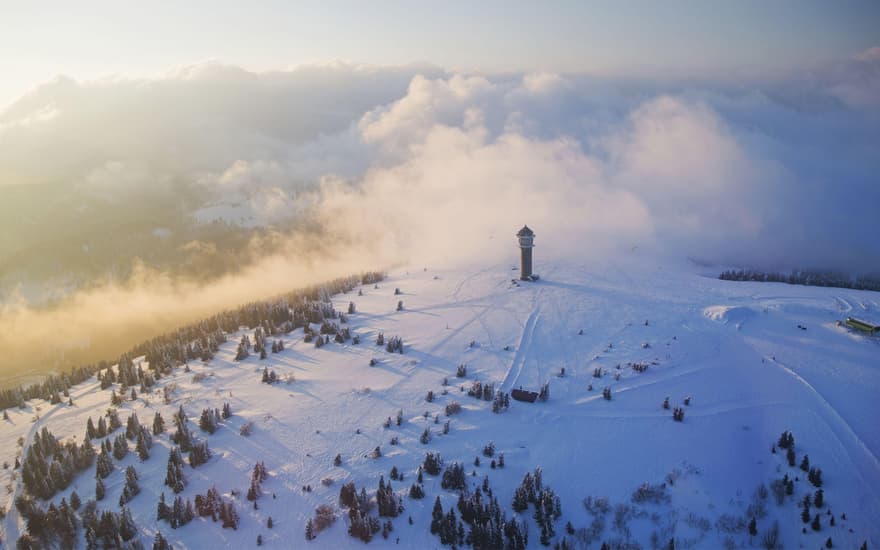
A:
200, 340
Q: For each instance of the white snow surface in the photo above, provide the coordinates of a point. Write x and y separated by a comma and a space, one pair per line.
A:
735, 347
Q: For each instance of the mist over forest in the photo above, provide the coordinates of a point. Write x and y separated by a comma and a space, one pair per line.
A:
131, 206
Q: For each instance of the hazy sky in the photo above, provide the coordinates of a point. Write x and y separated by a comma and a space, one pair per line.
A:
87, 40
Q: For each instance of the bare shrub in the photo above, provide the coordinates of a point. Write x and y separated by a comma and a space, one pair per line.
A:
777, 487
622, 514
727, 523
198, 377
246, 429
598, 506
655, 494
327, 481
758, 507
454, 407
770, 539
325, 516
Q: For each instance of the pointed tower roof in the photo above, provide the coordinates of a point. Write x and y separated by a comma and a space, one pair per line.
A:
525, 232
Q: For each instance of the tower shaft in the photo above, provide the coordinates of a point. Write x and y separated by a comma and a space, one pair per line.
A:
525, 265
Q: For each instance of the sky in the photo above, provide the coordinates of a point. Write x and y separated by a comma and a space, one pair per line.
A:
98, 39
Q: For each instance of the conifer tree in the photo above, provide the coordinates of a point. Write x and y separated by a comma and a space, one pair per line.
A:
159, 543
805, 463
163, 512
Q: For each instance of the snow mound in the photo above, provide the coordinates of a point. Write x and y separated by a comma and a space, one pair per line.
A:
736, 315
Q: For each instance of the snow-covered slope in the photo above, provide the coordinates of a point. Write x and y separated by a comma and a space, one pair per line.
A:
735, 348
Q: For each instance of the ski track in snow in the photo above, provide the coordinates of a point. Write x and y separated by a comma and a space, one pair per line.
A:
522, 349
857, 449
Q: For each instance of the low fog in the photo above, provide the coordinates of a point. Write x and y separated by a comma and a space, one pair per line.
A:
354, 168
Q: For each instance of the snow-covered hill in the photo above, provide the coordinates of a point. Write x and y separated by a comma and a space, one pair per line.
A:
736, 349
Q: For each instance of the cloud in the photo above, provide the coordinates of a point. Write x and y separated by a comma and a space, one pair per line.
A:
857, 82
691, 173
349, 168
196, 119
755, 172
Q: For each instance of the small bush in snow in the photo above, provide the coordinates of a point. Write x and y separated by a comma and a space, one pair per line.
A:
678, 414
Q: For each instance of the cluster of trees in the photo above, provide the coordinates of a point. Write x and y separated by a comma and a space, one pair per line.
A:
454, 478
259, 475
501, 402
639, 367
280, 315
362, 525
215, 506
416, 491
111, 529
446, 526
269, 376
243, 350
489, 452
209, 420
432, 464
548, 507
340, 334
50, 388
50, 466
393, 344
806, 277
489, 527
131, 488
102, 429
178, 514
103, 467
57, 526
486, 392
174, 477
199, 454
388, 503
143, 439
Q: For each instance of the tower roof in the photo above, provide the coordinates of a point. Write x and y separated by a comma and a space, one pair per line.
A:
525, 232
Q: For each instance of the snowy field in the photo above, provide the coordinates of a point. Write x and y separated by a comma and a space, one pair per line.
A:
735, 348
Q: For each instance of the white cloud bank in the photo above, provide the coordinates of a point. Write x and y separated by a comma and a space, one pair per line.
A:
413, 164
417, 164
